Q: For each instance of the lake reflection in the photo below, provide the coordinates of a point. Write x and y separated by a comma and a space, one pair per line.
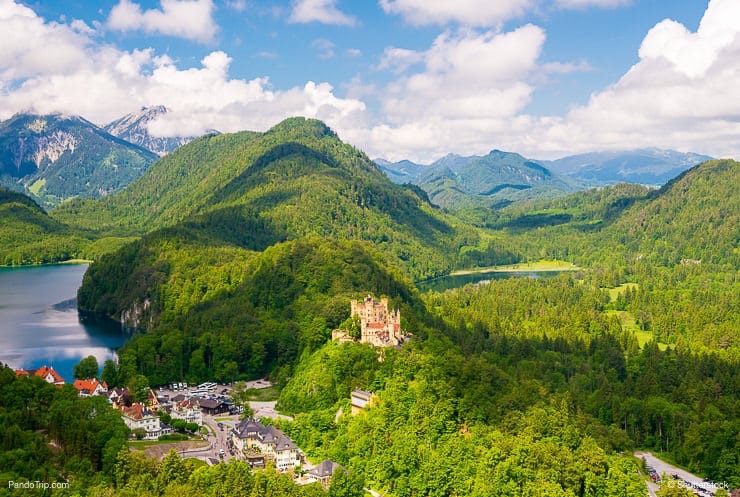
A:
40, 325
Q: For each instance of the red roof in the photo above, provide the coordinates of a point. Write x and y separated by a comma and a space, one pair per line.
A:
42, 372
90, 385
136, 411
45, 371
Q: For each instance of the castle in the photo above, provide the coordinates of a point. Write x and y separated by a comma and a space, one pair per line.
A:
378, 326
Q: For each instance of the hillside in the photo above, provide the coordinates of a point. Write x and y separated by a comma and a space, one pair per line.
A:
650, 166
57, 157
494, 180
296, 179
29, 236
134, 128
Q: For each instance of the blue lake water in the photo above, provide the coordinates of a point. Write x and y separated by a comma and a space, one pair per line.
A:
40, 324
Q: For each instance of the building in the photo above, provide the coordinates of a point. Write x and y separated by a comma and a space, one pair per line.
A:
45, 372
138, 416
360, 399
323, 472
252, 439
90, 387
187, 410
116, 396
378, 326
211, 407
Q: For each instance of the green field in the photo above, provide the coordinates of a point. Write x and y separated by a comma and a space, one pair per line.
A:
628, 322
614, 292
523, 267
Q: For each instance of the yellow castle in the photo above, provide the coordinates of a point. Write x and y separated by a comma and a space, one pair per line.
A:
378, 326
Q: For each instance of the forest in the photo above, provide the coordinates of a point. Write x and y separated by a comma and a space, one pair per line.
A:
241, 267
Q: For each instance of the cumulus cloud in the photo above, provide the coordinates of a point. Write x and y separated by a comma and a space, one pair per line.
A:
683, 93
323, 11
468, 12
189, 19
58, 69
469, 88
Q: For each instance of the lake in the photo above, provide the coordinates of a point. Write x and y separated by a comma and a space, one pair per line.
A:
457, 280
40, 324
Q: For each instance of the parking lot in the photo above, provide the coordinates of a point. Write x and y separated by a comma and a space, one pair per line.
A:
671, 475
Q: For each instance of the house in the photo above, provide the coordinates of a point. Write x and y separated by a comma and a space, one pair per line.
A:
252, 439
359, 400
116, 396
90, 387
212, 407
188, 410
45, 372
138, 416
324, 471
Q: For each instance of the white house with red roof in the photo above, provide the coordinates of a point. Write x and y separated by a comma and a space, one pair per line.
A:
90, 387
188, 410
45, 372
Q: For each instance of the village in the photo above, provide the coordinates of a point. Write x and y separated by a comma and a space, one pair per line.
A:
208, 413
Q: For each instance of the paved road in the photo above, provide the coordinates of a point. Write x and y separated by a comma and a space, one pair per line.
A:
667, 470
220, 439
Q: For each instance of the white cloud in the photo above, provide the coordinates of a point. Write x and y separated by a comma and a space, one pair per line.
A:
323, 11
470, 88
468, 12
189, 19
684, 93
324, 47
48, 67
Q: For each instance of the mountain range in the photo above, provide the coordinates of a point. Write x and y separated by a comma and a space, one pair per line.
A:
55, 157
647, 166
500, 178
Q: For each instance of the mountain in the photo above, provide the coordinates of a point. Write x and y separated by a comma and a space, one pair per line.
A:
649, 166
493, 180
217, 201
29, 236
134, 128
56, 157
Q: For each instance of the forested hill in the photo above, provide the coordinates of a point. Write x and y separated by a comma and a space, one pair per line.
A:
695, 218
29, 236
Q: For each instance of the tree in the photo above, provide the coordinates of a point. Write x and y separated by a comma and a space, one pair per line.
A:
344, 484
138, 387
173, 470
86, 368
110, 373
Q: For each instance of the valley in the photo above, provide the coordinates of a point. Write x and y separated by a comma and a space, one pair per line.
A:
236, 255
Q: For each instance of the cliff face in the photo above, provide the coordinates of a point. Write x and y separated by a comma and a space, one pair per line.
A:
55, 157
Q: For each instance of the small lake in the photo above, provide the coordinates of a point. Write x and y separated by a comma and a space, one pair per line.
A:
456, 281
40, 324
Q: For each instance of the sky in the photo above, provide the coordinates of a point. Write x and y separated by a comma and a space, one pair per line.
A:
399, 79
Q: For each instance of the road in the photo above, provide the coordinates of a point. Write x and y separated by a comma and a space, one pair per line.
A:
685, 479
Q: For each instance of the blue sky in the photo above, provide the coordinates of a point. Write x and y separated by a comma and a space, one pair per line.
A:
398, 78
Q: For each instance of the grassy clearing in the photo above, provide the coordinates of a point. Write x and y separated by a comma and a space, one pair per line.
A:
144, 444
263, 394
629, 323
222, 420
37, 185
616, 291
522, 267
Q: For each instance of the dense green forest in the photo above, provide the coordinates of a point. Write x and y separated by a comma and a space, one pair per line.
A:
238, 254
51, 434
29, 236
